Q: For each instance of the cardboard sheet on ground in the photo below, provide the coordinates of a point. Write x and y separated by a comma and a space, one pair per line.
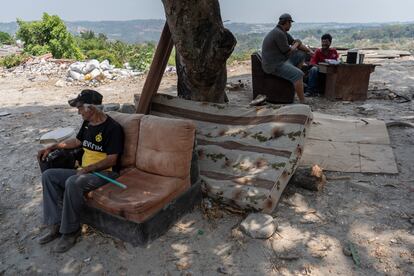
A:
349, 144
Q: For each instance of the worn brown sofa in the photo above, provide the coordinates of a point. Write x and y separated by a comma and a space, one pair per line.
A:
276, 89
160, 169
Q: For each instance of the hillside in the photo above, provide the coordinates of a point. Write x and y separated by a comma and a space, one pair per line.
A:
249, 35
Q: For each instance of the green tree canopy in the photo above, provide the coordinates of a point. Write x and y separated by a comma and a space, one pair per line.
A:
5, 38
48, 35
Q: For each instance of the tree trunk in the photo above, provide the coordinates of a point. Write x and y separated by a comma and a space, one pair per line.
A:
202, 46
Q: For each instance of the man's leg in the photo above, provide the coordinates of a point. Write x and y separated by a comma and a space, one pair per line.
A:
299, 90
53, 182
75, 188
313, 80
298, 58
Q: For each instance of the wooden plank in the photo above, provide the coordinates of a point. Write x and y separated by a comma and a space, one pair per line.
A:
156, 71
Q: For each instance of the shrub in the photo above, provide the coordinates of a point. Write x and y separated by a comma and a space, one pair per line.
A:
5, 38
12, 60
101, 55
49, 33
142, 57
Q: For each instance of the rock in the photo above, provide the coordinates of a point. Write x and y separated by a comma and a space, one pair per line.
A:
366, 109
259, 226
108, 75
95, 73
170, 69
127, 108
136, 73
104, 65
111, 107
222, 270
60, 83
77, 67
125, 73
90, 66
127, 66
75, 75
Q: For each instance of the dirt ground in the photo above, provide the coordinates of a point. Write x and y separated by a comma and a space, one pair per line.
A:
373, 214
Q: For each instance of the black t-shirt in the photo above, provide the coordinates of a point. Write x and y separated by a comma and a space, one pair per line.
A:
101, 140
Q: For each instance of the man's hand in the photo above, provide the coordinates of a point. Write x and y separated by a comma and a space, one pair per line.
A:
43, 153
298, 41
82, 171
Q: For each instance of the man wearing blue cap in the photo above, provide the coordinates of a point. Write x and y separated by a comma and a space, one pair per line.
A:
282, 55
102, 141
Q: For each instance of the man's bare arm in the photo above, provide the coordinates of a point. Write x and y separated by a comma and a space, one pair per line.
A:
106, 163
306, 49
67, 144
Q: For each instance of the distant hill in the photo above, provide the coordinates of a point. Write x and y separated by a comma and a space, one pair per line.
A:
250, 36
132, 31
138, 31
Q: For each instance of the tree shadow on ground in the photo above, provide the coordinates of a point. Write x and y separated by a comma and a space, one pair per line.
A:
314, 227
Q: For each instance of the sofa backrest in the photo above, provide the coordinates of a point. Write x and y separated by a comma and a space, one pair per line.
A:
165, 146
130, 124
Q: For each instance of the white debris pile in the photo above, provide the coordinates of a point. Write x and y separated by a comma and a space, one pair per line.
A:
41, 65
70, 72
93, 70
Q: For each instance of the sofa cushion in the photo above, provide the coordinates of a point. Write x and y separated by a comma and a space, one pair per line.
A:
165, 146
146, 194
130, 124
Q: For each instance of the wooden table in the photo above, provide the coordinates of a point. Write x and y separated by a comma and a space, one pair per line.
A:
347, 82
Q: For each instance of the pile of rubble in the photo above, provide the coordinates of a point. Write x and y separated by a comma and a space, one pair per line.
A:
94, 71
70, 72
42, 65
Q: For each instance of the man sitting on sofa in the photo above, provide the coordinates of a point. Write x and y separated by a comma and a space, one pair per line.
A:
102, 140
283, 56
321, 55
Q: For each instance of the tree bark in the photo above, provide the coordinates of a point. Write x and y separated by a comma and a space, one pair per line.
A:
202, 46
310, 178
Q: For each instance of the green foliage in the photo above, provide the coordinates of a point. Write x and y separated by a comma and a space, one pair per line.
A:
12, 60
101, 55
5, 38
38, 50
142, 56
171, 59
48, 34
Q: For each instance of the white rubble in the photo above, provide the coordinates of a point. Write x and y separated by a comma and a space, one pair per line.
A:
93, 70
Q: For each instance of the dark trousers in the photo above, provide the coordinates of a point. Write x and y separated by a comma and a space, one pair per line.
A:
315, 81
63, 196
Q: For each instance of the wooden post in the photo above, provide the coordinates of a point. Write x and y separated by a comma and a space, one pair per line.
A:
159, 62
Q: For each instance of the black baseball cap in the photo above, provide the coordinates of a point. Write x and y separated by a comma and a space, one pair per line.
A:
87, 96
286, 17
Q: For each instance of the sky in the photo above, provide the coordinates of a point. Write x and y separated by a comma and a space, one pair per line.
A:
248, 11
